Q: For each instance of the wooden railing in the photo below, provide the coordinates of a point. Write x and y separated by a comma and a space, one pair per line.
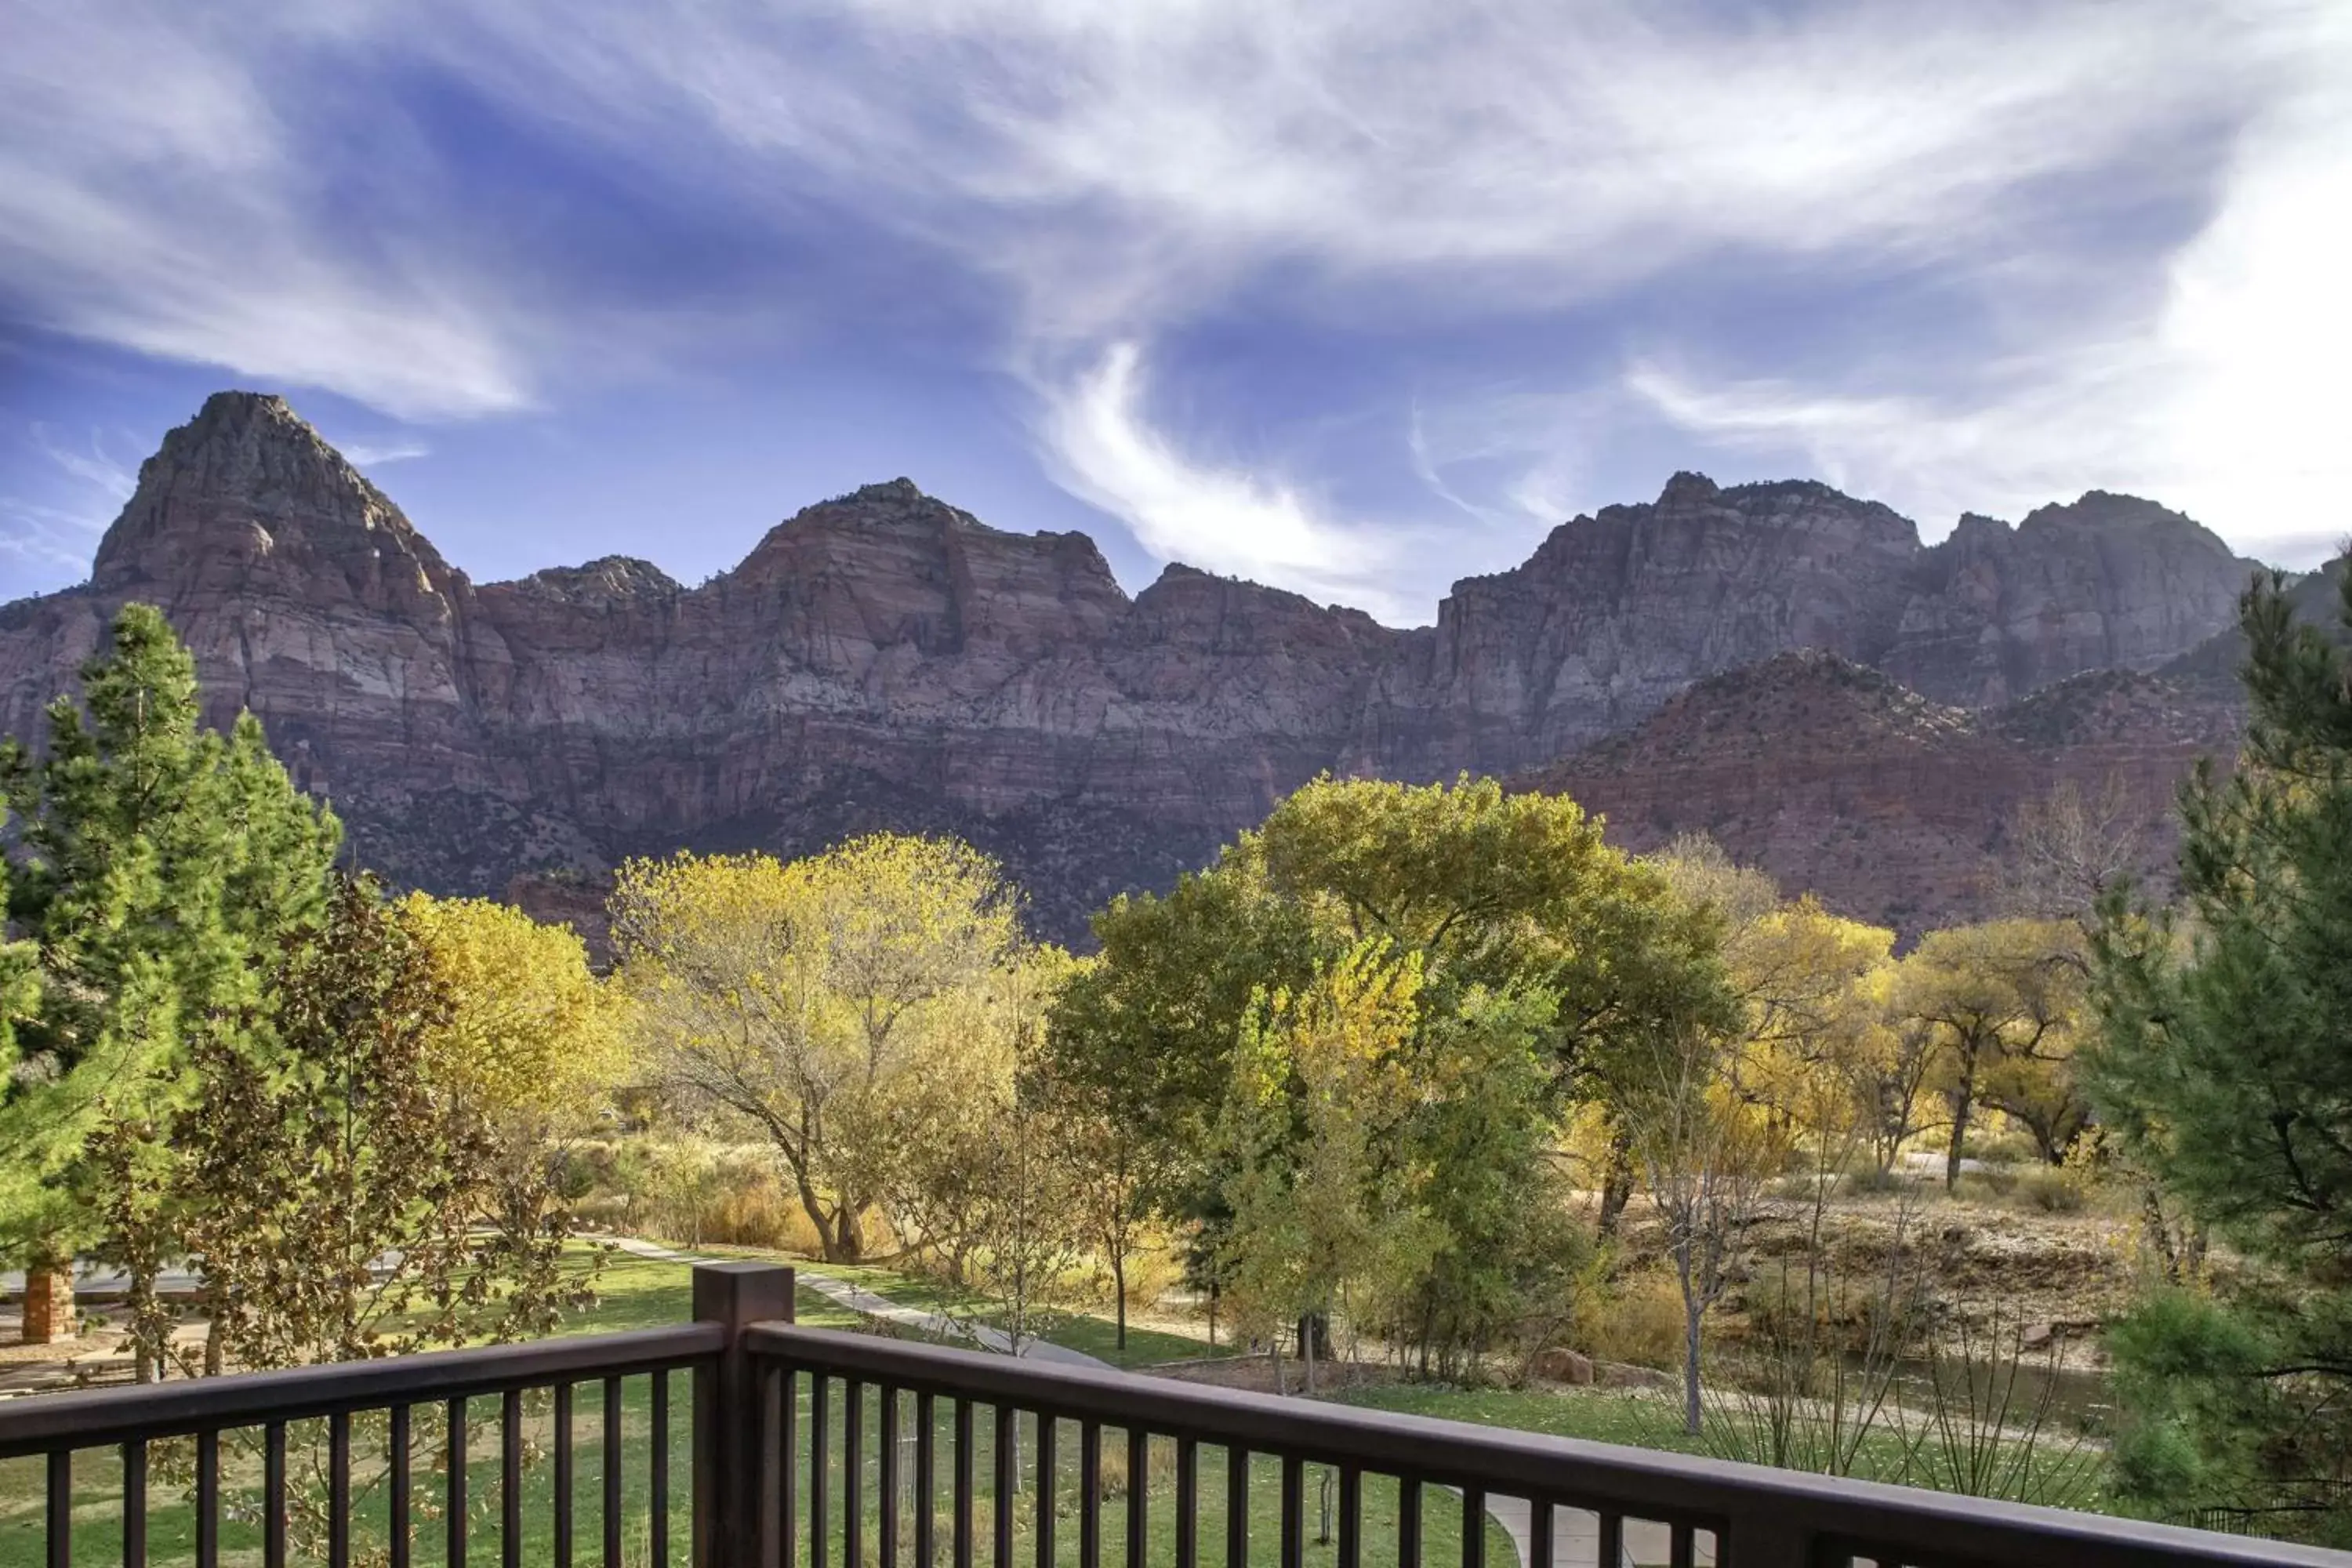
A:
824, 1449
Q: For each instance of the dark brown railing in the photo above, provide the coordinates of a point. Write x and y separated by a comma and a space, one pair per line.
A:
821, 1449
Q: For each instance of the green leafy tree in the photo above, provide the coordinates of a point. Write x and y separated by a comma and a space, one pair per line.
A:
23, 1155
2225, 1067
1543, 953
1146, 1030
159, 862
1322, 1085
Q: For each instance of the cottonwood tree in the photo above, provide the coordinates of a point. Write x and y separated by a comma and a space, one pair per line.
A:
1031, 1232
1322, 1088
1575, 953
533, 1040
2003, 990
342, 1195
1118, 1170
820, 1001
2074, 844
1807, 1040
342, 1198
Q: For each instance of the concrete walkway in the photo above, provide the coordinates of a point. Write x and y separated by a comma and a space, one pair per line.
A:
1576, 1536
866, 1303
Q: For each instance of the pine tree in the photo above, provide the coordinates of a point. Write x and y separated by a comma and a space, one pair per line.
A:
20, 1159
160, 862
2226, 1068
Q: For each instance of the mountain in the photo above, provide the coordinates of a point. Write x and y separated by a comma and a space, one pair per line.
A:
884, 658
1889, 806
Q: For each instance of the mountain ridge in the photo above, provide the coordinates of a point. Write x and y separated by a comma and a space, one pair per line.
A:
886, 658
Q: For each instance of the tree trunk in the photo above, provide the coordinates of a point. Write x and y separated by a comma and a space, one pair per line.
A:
1617, 1181
1691, 1314
1306, 1350
1118, 1289
1963, 1099
141, 1304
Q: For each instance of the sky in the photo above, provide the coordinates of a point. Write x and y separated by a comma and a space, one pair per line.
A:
1350, 299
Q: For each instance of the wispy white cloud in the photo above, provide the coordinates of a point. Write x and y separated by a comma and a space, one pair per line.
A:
40, 538
87, 463
58, 536
1100, 444
157, 193
1123, 168
367, 454
2219, 392
1119, 163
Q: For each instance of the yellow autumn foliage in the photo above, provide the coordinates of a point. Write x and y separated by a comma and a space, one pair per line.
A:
535, 1033
861, 1009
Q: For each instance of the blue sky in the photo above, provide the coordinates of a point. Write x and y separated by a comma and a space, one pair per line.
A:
1354, 299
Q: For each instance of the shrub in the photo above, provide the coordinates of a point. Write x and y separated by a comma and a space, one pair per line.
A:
2002, 1149
2052, 1191
1987, 1185
1638, 1321
1869, 1182
1151, 1273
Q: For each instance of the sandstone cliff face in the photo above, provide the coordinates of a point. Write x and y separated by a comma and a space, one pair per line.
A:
1890, 807
2108, 582
885, 660
1616, 613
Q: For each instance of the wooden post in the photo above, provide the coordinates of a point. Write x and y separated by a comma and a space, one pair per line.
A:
727, 1410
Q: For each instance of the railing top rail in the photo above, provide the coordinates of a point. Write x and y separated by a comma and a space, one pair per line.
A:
98, 1418
1915, 1525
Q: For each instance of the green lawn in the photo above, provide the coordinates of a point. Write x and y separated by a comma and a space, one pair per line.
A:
1599, 1415
2068, 1475
1094, 1334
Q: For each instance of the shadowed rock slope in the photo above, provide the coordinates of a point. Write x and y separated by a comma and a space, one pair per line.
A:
1890, 807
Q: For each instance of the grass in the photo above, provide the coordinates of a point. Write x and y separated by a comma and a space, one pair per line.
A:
1090, 1333
1597, 1416
2060, 1472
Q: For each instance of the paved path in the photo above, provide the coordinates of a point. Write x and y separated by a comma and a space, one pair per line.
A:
1576, 1536
866, 1303
98, 1280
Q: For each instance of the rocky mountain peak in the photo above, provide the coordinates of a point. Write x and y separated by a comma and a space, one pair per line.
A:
606, 580
1688, 489
2107, 512
248, 485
